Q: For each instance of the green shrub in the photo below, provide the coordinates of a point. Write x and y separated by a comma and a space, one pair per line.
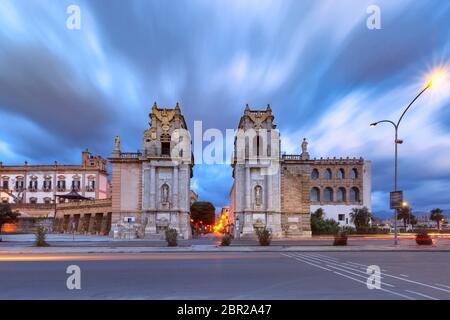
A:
226, 240
171, 237
264, 236
40, 235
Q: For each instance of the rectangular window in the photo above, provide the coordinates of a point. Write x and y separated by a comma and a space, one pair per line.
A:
341, 217
165, 146
76, 185
5, 185
61, 185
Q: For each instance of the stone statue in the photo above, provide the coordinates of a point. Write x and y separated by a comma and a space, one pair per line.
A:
258, 196
165, 193
305, 154
304, 146
117, 143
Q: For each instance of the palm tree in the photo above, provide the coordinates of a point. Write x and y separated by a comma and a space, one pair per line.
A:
437, 215
404, 213
361, 218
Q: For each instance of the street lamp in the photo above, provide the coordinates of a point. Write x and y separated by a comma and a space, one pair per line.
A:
397, 141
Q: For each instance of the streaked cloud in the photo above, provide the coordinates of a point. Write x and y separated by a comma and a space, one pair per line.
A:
324, 73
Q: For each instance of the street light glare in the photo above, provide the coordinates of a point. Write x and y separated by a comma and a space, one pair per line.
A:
438, 78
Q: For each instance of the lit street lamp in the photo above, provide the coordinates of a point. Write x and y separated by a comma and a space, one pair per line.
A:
397, 141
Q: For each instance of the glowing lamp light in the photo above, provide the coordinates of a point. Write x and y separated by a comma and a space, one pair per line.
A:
437, 79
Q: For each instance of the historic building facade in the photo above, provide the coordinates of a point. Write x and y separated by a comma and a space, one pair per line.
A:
40, 184
151, 188
280, 191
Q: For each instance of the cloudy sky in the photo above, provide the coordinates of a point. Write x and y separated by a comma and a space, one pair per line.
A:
325, 74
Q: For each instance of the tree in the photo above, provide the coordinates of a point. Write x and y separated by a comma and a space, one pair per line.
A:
319, 213
437, 215
203, 211
361, 218
404, 213
319, 224
7, 215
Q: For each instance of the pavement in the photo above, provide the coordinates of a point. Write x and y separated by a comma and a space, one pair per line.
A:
60, 243
228, 275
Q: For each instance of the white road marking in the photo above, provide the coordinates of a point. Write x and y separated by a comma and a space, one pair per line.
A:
323, 257
315, 265
386, 290
442, 285
421, 294
360, 271
346, 276
408, 280
404, 275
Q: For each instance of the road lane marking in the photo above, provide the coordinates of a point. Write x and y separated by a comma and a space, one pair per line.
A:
442, 285
323, 257
363, 272
386, 290
315, 265
421, 294
346, 276
404, 275
412, 281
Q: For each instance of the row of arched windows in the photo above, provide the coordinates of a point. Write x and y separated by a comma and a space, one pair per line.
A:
328, 195
328, 174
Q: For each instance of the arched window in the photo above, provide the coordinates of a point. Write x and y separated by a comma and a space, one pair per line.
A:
315, 195
341, 174
354, 173
354, 194
340, 194
315, 174
328, 174
328, 194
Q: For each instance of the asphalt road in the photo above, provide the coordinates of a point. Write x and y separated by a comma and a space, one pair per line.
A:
340, 275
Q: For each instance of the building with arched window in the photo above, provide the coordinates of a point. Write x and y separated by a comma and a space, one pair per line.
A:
299, 185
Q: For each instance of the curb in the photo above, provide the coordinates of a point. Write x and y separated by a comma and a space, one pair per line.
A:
212, 249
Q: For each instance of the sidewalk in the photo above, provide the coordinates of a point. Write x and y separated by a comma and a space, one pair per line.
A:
69, 244
214, 248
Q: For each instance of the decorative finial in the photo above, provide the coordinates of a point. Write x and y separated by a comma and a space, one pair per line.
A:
177, 106
268, 107
155, 105
247, 108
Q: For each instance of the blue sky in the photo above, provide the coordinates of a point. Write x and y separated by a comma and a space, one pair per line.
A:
325, 74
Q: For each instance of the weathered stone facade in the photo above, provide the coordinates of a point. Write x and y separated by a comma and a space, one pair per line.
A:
256, 189
295, 202
151, 188
291, 186
84, 217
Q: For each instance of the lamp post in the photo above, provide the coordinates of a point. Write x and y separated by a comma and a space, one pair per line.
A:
397, 141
